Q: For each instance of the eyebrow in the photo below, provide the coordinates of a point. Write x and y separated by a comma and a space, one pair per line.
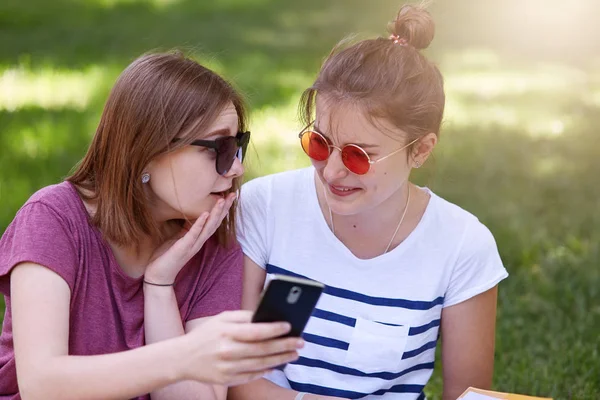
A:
219, 132
363, 145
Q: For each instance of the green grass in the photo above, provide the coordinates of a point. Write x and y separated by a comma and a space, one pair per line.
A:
518, 147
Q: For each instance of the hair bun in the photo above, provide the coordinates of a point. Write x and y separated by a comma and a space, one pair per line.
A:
415, 25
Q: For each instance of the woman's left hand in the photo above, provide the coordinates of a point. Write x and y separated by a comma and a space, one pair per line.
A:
171, 256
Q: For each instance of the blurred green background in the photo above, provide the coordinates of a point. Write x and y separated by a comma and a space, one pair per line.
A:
518, 148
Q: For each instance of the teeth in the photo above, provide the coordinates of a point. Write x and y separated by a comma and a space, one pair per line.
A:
343, 189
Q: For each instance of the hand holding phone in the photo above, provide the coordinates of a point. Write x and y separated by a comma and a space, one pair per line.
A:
288, 299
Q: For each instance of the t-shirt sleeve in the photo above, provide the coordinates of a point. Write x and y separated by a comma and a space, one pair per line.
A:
478, 267
252, 223
223, 290
39, 235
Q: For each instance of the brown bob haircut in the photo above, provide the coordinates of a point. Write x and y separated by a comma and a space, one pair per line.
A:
157, 97
388, 78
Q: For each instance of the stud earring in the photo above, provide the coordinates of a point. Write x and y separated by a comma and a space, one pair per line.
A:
145, 177
417, 164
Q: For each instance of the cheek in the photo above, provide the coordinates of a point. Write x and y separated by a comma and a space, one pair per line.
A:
196, 180
382, 181
319, 165
187, 180
390, 181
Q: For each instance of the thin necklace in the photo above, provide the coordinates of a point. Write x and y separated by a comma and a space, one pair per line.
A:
397, 227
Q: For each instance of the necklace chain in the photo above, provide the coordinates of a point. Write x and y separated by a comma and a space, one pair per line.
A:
397, 227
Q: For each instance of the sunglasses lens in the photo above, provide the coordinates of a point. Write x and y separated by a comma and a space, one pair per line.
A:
244, 140
315, 146
229, 149
355, 159
226, 154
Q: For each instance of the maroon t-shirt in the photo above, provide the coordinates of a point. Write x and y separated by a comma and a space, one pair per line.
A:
107, 306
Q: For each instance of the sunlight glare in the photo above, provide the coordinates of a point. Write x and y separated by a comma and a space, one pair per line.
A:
49, 88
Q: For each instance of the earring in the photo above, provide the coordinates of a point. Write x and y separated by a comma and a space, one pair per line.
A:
417, 164
145, 177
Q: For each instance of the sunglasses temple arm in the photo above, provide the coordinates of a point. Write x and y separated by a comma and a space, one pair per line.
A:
395, 151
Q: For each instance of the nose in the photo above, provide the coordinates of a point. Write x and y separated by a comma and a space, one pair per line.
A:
236, 170
334, 167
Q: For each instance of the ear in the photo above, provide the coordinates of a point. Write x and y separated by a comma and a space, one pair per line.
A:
153, 163
423, 149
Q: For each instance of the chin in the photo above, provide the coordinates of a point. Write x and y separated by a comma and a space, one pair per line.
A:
357, 206
206, 205
192, 214
345, 209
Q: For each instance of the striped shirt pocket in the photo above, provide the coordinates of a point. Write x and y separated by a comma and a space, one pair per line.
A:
376, 347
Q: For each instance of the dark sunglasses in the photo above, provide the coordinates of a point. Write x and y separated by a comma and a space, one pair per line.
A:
354, 157
228, 148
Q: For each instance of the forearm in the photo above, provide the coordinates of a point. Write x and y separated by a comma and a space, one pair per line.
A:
264, 389
468, 338
261, 389
161, 314
109, 376
162, 321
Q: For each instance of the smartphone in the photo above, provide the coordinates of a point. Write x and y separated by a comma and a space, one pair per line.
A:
288, 299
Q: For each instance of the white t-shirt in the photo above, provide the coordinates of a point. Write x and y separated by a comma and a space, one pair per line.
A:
374, 331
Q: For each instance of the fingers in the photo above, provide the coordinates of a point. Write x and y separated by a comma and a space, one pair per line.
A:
197, 227
204, 226
267, 348
208, 223
203, 231
248, 377
259, 364
221, 210
228, 203
258, 332
216, 216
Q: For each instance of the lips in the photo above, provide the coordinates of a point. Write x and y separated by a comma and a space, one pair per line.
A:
342, 191
222, 193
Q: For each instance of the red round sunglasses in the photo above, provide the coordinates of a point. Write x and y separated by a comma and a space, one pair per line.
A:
354, 157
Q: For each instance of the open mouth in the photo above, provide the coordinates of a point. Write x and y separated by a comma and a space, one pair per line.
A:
342, 191
221, 194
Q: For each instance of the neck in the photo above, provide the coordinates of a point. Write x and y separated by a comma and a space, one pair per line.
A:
133, 260
371, 221
373, 232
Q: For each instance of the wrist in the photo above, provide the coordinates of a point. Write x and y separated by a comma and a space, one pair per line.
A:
180, 351
156, 284
158, 279
158, 295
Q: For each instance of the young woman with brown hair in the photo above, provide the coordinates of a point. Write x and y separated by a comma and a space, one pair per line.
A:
113, 278
401, 265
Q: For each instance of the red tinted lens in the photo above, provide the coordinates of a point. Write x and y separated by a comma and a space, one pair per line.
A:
315, 146
355, 159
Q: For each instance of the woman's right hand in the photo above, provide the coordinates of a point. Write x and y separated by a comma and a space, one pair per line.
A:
228, 349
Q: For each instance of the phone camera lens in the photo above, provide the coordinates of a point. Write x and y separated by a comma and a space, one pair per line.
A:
294, 295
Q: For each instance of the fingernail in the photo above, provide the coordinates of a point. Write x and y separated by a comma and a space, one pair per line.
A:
300, 343
286, 326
